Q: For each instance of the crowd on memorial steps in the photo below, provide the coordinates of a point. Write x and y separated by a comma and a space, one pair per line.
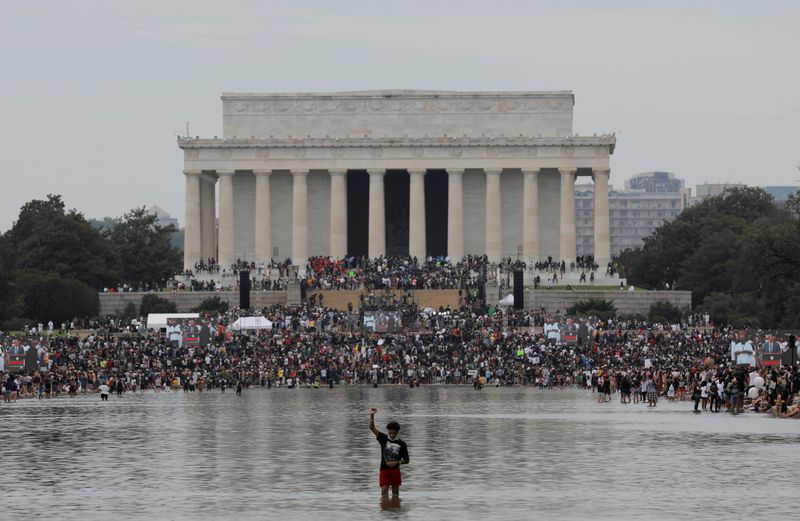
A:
395, 272
314, 346
360, 272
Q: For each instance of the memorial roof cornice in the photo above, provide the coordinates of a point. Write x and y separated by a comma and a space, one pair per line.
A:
367, 141
399, 93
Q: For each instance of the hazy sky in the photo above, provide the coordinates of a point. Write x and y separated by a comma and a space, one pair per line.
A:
93, 92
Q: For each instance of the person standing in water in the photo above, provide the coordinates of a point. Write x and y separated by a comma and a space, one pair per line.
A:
652, 391
104, 390
394, 452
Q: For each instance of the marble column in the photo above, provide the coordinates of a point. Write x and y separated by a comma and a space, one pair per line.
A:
225, 234
208, 216
567, 231
455, 215
602, 239
192, 240
377, 215
263, 224
530, 215
338, 213
416, 214
300, 218
494, 238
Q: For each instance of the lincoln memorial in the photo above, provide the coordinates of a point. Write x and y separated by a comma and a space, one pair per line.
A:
392, 172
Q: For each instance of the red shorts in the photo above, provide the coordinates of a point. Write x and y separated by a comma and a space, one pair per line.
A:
390, 478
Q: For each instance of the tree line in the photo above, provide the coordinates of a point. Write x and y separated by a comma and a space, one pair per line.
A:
739, 254
53, 261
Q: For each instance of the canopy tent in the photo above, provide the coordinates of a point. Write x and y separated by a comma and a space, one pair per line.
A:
508, 300
251, 323
159, 320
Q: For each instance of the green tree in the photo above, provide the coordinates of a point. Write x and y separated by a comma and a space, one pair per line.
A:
154, 304
10, 299
144, 248
698, 250
48, 239
793, 204
104, 224
50, 297
791, 307
176, 241
737, 252
765, 271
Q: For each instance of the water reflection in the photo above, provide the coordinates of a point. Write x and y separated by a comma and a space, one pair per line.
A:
390, 503
500, 453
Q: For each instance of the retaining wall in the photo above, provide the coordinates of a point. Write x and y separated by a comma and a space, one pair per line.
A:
114, 303
626, 302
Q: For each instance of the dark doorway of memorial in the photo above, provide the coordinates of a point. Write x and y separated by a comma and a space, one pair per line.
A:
436, 213
357, 213
396, 193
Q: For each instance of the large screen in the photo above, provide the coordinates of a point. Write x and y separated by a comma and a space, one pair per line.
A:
191, 331
27, 354
382, 321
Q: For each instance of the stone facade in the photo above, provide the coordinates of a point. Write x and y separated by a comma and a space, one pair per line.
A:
187, 301
509, 158
626, 302
397, 113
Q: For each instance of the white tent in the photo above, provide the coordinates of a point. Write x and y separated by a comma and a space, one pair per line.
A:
508, 300
159, 320
251, 323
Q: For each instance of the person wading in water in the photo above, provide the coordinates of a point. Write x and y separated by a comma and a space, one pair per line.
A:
394, 452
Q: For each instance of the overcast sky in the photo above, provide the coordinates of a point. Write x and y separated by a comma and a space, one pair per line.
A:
93, 93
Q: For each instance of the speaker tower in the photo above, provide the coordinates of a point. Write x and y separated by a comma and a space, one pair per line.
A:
244, 289
519, 291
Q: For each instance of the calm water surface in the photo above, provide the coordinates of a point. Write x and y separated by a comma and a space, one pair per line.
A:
509, 453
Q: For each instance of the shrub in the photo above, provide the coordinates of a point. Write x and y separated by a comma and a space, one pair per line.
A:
154, 304
665, 313
636, 317
213, 305
129, 311
603, 309
16, 324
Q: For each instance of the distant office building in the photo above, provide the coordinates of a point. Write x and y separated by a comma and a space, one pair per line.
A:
164, 219
649, 200
656, 183
781, 193
705, 190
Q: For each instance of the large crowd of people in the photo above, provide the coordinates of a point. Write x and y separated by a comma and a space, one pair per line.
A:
395, 272
360, 273
209, 275
211, 266
312, 346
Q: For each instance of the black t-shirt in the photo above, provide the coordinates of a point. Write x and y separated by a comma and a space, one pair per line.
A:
391, 450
